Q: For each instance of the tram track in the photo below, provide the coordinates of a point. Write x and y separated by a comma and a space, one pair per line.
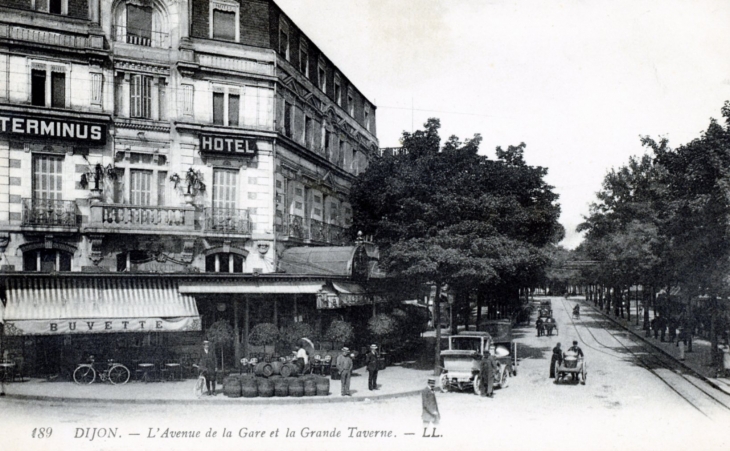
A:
650, 361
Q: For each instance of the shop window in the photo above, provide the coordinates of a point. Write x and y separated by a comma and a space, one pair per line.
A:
224, 262
46, 260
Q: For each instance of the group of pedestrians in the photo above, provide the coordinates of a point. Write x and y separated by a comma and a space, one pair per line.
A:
344, 365
558, 357
545, 326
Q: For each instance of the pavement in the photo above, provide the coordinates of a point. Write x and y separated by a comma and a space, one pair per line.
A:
394, 382
696, 362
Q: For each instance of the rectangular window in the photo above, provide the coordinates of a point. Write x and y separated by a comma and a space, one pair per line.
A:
288, 119
140, 92
322, 79
327, 140
218, 107
234, 107
161, 187
284, 44
119, 186
341, 155
338, 93
141, 187
55, 6
38, 87
225, 186
304, 62
47, 177
351, 104
96, 88
367, 118
307, 134
187, 99
224, 25
58, 90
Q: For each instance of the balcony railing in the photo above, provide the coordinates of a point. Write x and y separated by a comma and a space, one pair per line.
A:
140, 36
49, 212
136, 217
313, 230
228, 220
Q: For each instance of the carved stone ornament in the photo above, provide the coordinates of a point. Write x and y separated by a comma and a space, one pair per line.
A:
95, 254
263, 248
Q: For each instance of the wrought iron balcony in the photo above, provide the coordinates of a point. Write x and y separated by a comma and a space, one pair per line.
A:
137, 217
49, 212
228, 220
313, 230
139, 36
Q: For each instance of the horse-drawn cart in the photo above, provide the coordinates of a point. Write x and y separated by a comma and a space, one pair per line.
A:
573, 365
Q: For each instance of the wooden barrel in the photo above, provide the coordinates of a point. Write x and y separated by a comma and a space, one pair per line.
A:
323, 386
249, 388
281, 387
289, 369
232, 387
310, 387
263, 369
276, 367
265, 388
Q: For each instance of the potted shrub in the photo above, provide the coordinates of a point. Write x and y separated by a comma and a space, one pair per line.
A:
264, 334
97, 174
193, 182
383, 328
294, 332
339, 333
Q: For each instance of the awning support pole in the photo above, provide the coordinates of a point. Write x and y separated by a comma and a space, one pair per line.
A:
236, 332
276, 312
295, 308
245, 328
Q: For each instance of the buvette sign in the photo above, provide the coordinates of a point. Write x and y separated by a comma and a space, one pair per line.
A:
227, 144
101, 325
54, 128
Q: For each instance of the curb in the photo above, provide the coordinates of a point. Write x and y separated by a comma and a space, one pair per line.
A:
709, 381
227, 401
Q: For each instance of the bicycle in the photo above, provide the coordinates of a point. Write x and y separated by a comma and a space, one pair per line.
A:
199, 387
116, 373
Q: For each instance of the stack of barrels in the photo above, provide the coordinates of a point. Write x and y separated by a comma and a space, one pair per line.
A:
275, 379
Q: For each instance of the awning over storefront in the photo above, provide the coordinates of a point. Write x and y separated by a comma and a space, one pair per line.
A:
345, 294
262, 287
50, 305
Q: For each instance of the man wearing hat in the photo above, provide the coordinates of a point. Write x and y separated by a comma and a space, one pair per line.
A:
430, 408
208, 366
575, 349
344, 366
371, 363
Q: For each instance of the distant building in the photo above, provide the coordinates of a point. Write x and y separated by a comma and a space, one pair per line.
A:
156, 159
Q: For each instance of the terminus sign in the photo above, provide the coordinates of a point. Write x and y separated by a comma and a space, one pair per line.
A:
227, 144
101, 325
54, 128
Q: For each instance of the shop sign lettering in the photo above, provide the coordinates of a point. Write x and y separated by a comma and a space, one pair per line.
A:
104, 325
227, 144
54, 128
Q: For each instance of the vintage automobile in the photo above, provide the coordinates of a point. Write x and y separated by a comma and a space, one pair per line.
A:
461, 362
506, 348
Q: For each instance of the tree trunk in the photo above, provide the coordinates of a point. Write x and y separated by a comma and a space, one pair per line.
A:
649, 302
480, 301
714, 354
437, 325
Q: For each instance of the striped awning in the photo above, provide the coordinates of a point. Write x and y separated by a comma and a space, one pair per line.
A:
50, 305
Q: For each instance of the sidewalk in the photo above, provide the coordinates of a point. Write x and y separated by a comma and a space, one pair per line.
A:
696, 361
394, 382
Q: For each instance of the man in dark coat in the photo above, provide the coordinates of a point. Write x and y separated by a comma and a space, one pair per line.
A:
371, 363
487, 368
208, 366
538, 325
557, 357
344, 367
430, 414
578, 352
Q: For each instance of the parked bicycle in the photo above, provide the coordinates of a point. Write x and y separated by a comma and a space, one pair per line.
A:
86, 373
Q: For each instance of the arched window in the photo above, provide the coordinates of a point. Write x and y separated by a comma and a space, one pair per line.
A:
224, 262
46, 260
141, 22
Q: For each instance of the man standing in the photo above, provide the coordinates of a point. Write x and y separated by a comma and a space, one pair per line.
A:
371, 363
487, 367
578, 352
208, 367
344, 366
557, 357
303, 359
538, 326
430, 413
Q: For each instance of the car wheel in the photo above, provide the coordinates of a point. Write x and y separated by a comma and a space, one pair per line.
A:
478, 385
505, 379
444, 383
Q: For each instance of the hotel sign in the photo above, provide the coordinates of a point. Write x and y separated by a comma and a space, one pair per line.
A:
233, 145
90, 133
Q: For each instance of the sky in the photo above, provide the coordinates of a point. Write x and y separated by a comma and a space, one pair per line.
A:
579, 81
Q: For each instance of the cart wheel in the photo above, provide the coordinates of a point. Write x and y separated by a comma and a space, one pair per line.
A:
478, 385
557, 373
444, 383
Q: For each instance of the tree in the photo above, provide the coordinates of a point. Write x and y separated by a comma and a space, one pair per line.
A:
446, 215
220, 333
